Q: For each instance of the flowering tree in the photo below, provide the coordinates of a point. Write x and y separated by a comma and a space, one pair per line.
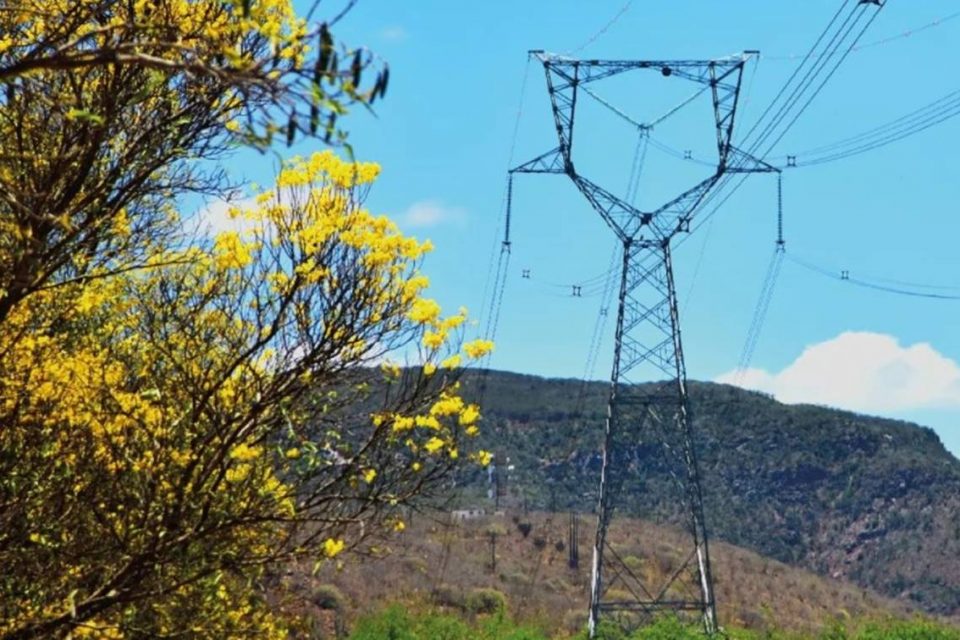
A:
178, 414
104, 103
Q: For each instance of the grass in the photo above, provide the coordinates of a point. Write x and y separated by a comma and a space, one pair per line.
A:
399, 623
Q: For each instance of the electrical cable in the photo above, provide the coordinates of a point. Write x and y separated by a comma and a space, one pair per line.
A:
915, 128
596, 36
760, 311
931, 114
796, 71
824, 81
883, 129
808, 80
783, 112
844, 276
497, 240
905, 34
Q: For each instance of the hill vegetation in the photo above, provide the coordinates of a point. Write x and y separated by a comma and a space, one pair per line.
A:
848, 496
441, 564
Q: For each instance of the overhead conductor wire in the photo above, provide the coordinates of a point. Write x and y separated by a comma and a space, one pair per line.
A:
796, 95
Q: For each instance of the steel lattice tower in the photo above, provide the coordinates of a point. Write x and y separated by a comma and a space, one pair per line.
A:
647, 332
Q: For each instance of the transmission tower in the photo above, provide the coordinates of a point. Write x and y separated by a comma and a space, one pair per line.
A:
647, 334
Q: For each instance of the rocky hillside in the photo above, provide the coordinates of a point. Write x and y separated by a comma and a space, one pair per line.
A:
848, 496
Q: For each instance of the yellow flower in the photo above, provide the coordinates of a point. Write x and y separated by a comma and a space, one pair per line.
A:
238, 473
434, 444
369, 475
244, 452
478, 348
433, 339
427, 421
332, 547
452, 362
230, 251
447, 406
424, 311
391, 369
484, 457
399, 526
293, 453
403, 423
469, 415
416, 466
429, 369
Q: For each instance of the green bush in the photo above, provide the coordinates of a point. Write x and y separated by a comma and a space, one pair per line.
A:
393, 623
486, 601
397, 623
918, 629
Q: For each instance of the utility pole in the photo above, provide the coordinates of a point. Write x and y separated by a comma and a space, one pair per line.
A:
648, 341
573, 541
493, 551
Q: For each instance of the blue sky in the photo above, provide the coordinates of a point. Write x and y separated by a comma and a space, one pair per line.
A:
444, 136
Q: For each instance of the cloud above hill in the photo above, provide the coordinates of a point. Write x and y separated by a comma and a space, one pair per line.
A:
430, 213
861, 371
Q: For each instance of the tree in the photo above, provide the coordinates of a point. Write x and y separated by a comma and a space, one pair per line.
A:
178, 414
105, 103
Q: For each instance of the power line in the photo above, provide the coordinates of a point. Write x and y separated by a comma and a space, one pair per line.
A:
897, 130
904, 34
844, 275
760, 311
929, 115
828, 53
600, 32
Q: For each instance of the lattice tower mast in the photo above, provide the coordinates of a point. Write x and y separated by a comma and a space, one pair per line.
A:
647, 331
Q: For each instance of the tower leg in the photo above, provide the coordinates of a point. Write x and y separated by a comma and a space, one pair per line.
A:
693, 489
604, 507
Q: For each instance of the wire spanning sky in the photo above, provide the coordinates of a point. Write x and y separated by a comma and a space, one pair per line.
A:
444, 136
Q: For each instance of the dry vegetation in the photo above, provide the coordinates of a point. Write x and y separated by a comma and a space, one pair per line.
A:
437, 563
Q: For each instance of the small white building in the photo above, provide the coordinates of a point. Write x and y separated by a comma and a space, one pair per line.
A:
461, 515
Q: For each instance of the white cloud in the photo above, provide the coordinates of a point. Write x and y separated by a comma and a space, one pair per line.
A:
861, 371
430, 213
394, 33
214, 217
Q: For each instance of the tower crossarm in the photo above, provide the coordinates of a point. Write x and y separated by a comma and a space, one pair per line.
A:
742, 162
549, 162
583, 71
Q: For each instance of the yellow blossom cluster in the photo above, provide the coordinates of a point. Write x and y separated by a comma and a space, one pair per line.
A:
159, 410
201, 28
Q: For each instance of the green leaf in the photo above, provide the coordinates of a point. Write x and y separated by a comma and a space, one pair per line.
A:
87, 116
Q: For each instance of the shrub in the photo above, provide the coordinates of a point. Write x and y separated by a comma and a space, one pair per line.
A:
327, 596
486, 601
446, 595
393, 623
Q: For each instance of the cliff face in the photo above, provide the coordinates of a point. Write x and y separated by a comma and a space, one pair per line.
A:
873, 500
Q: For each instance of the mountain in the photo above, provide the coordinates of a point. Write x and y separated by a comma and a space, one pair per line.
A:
853, 497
